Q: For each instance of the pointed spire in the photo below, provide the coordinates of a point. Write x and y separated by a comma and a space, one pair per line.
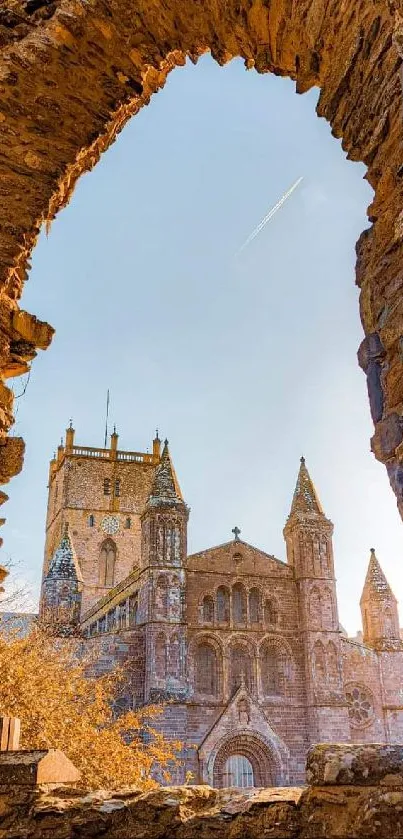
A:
165, 488
63, 564
376, 583
305, 499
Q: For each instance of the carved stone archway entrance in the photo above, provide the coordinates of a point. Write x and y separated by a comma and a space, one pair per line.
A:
266, 771
73, 72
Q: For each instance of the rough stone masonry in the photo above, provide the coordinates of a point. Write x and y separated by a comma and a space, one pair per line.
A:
73, 72
354, 792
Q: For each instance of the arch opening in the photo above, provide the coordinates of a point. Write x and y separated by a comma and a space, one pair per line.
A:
246, 761
367, 136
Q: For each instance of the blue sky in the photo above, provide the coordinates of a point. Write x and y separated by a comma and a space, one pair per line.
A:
243, 362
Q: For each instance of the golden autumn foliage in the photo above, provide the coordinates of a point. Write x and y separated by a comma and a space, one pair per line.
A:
44, 681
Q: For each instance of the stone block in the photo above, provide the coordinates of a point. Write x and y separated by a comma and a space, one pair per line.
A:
370, 349
29, 768
388, 436
358, 765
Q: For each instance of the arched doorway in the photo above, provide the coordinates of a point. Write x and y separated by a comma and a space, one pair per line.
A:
246, 761
238, 772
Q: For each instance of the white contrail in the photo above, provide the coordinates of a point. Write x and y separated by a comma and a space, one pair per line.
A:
270, 215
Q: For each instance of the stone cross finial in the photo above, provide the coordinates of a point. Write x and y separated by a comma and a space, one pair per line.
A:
236, 531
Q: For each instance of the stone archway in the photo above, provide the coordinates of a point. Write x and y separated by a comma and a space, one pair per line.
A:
265, 767
73, 73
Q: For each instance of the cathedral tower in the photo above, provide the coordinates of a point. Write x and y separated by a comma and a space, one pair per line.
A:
380, 619
99, 493
163, 556
308, 535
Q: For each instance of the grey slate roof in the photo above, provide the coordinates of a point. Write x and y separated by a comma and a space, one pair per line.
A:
375, 581
165, 488
305, 499
63, 565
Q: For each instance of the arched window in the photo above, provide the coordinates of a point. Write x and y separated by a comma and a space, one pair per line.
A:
275, 669
133, 609
91, 521
222, 605
327, 609
160, 656
107, 561
332, 665
238, 772
208, 609
239, 604
122, 615
117, 487
111, 620
161, 597
254, 605
240, 668
319, 661
128, 523
174, 657
270, 613
206, 670
315, 608
107, 486
269, 665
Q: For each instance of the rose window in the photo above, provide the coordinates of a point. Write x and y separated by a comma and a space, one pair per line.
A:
360, 706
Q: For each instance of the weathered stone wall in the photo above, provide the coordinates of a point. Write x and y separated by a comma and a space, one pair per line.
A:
73, 73
354, 793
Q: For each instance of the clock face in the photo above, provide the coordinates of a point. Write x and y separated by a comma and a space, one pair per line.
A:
110, 524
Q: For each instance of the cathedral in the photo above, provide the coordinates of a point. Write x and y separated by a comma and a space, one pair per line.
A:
244, 651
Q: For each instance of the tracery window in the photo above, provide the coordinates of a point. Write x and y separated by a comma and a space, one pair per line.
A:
117, 487
107, 486
107, 561
206, 670
222, 604
254, 605
239, 604
240, 668
208, 609
360, 705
